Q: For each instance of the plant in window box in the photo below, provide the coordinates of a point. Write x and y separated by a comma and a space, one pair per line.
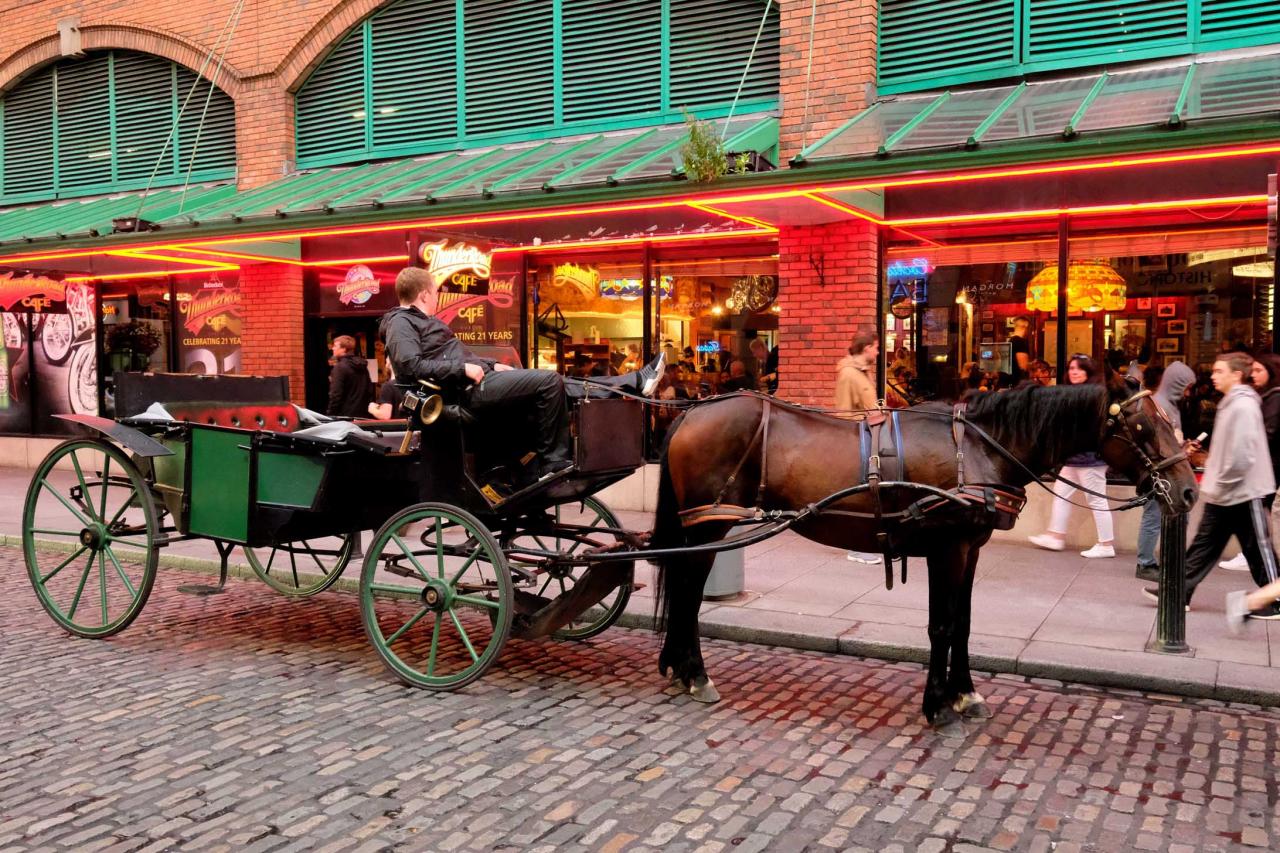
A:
130, 345
703, 153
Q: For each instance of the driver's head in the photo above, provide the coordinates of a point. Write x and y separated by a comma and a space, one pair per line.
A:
416, 286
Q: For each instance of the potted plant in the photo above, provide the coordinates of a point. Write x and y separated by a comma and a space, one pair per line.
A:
703, 153
131, 344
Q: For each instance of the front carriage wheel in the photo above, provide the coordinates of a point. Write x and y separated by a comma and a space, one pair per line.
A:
591, 521
89, 531
436, 596
305, 567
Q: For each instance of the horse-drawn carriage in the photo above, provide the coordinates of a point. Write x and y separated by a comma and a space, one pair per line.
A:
465, 552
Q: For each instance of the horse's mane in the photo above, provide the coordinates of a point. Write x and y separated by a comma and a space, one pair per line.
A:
1055, 422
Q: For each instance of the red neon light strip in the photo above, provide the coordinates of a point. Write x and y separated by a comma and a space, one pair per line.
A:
148, 256
151, 274
907, 251
632, 241
1240, 200
792, 192
746, 220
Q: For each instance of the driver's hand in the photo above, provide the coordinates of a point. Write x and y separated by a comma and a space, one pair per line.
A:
474, 372
499, 367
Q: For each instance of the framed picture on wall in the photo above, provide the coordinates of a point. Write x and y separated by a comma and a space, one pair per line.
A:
988, 314
1176, 327
988, 328
1170, 359
1144, 304
1168, 345
1130, 335
1167, 309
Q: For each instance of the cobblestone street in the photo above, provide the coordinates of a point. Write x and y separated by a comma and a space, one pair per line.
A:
249, 721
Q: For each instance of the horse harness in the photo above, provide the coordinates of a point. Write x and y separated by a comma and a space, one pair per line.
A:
998, 504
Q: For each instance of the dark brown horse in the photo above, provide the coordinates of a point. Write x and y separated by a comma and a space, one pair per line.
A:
711, 471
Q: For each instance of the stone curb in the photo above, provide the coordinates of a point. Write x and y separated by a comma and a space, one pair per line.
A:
1222, 681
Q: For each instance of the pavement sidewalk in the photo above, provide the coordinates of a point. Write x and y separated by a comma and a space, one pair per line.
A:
1035, 613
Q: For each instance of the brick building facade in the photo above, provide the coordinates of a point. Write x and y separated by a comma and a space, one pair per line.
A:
825, 75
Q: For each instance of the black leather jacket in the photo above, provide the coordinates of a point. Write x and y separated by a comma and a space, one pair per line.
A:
422, 347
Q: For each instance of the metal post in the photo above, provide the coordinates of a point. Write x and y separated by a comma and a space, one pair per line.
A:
1171, 615
1064, 260
646, 310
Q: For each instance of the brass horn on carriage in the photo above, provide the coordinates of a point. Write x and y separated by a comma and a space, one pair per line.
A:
425, 404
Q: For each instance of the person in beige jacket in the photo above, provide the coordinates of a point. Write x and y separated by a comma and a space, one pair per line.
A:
855, 373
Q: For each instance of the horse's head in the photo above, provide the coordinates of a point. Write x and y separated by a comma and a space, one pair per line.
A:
1138, 440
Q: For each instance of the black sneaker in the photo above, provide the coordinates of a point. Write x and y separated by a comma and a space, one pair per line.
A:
647, 377
553, 467
1270, 613
1153, 593
1147, 573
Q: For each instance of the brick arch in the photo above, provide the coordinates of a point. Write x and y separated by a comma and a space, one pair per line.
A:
302, 59
121, 36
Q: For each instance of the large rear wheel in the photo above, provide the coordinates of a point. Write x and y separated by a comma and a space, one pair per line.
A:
436, 596
305, 567
89, 536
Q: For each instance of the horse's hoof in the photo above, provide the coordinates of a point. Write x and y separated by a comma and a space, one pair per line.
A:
972, 706
702, 690
947, 723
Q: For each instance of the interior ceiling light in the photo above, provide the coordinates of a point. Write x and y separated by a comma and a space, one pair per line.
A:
1092, 286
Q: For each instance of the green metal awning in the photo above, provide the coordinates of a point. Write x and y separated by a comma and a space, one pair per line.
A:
606, 159
91, 217
1170, 96
520, 172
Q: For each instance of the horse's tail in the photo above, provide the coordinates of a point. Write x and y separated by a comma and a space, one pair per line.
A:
668, 532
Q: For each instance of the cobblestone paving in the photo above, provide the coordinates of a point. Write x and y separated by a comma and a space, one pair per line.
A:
251, 722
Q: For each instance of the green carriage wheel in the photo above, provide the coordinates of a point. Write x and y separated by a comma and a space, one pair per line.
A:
436, 596
304, 567
89, 537
599, 617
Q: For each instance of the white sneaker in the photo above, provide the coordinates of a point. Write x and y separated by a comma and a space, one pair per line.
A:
1236, 564
865, 557
1047, 542
1099, 551
1237, 610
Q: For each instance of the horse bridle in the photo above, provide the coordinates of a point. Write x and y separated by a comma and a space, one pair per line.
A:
1128, 433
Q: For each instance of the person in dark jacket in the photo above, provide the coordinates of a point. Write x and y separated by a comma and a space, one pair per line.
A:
421, 346
1167, 390
349, 388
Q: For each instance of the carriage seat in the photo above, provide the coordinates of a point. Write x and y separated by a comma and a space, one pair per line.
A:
271, 417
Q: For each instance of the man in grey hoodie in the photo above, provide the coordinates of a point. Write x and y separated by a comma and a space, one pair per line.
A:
1237, 478
1173, 384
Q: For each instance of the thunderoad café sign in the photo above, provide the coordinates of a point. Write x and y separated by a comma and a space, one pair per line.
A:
31, 293
459, 267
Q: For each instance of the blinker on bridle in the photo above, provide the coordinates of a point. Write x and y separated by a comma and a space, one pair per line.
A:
1159, 485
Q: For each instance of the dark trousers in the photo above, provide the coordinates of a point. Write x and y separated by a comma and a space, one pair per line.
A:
518, 391
1248, 522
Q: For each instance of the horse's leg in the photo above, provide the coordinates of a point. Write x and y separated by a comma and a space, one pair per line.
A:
946, 567
682, 650
965, 699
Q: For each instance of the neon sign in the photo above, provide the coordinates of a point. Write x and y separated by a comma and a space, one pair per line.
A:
462, 265
910, 268
359, 286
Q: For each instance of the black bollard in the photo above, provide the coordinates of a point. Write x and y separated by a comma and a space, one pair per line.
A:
1171, 614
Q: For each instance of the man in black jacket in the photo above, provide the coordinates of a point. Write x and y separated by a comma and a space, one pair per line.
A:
349, 388
421, 346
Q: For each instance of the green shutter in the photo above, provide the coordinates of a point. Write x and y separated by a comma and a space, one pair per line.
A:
1105, 29
510, 81
612, 64
82, 97
330, 106
99, 124
413, 73
1237, 18
710, 44
144, 99
926, 39
28, 136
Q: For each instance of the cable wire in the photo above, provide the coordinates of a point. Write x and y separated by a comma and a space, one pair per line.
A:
751, 57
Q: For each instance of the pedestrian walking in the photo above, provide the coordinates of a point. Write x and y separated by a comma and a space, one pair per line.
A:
1265, 378
855, 373
1171, 385
1238, 483
1088, 470
350, 390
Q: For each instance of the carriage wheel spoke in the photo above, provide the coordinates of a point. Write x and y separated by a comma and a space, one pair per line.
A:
63, 565
453, 581
128, 499
120, 540
77, 513
413, 620
439, 548
102, 586
75, 534
404, 549
84, 487
397, 591
435, 646
271, 559
466, 641
120, 571
319, 565
106, 483
293, 564
545, 585
84, 578
477, 602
